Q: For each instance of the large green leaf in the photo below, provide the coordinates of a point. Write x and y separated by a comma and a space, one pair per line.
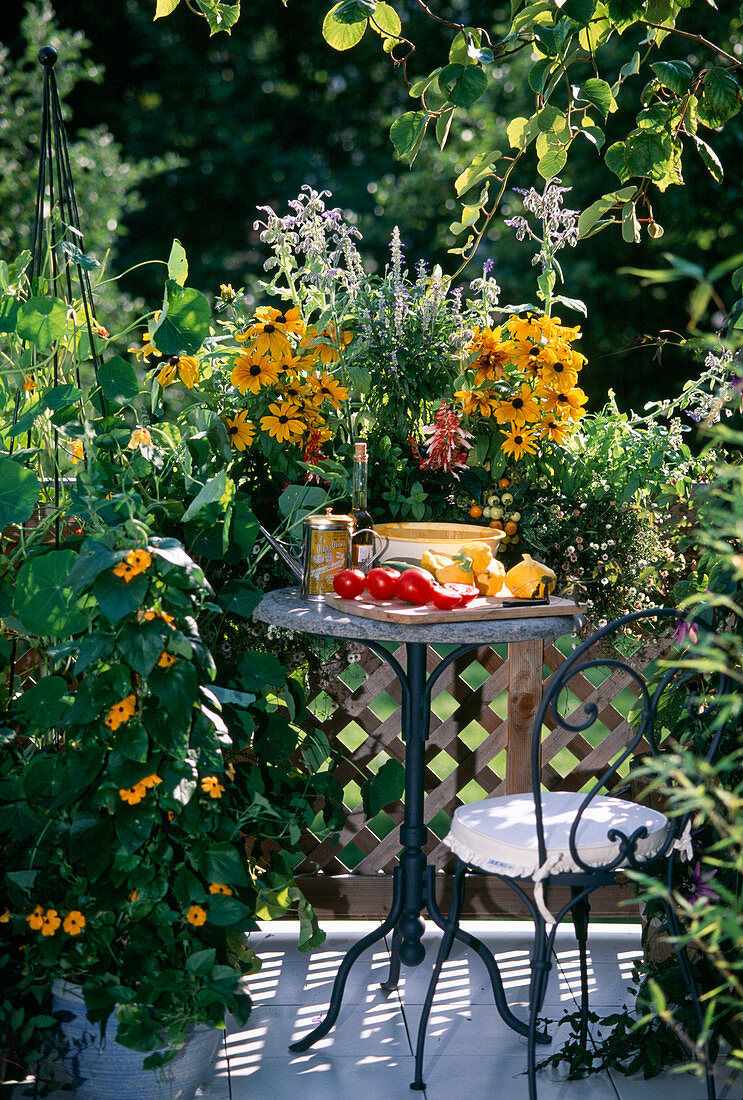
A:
117, 598
214, 490
9, 308
353, 11
406, 133
42, 705
552, 162
462, 84
178, 263
598, 92
341, 36
219, 16
222, 862
386, 20
674, 75
383, 788
19, 491
41, 321
720, 98
184, 321
43, 597
240, 597
118, 381
480, 169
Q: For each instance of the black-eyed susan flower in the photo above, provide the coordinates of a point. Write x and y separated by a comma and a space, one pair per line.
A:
219, 888
326, 388
74, 923
36, 919
240, 430
188, 370
253, 372
520, 408
50, 922
266, 338
519, 442
564, 402
290, 320
531, 358
282, 422
210, 785
531, 327
166, 375
196, 915
135, 562
557, 431
121, 712
559, 375
166, 660
476, 402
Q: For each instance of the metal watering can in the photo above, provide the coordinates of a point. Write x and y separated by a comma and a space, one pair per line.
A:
327, 548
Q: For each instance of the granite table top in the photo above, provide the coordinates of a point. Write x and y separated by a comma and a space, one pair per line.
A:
286, 608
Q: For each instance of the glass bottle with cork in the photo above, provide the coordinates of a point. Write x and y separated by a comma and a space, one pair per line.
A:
363, 544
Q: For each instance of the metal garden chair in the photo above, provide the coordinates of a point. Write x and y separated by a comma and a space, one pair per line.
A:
582, 841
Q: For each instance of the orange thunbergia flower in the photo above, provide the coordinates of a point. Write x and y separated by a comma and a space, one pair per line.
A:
134, 896
565, 402
477, 401
219, 888
135, 562
140, 437
557, 431
289, 320
165, 660
5, 916
36, 919
240, 430
74, 923
133, 795
326, 388
282, 422
196, 915
519, 442
29, 385
252, 372
211, 786
121, 712
151, 780
50, 922
151, 614
520, 408
77, 452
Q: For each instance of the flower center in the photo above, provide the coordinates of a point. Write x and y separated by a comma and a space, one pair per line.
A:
283, 420
518, 440
232, 430
559, 368
281, 319
269, 328
534, 350
255, 369
518, 402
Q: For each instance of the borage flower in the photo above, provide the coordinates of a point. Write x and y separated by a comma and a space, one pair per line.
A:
240, 430
519, 442
252, 372
282, 422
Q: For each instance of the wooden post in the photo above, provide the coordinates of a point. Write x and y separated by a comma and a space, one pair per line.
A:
525, 661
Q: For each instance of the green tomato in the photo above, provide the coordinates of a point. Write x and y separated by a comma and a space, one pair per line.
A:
515, 516
496, 513
487, 513
507, 498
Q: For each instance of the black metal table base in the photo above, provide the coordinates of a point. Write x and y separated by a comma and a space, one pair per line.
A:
414, 880
397, 953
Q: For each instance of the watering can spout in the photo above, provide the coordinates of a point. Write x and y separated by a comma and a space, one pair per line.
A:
285, 553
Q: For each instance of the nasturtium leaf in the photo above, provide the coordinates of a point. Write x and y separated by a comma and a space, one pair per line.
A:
406, 133
259, 671
43, 596
553, 162
674, 75
118, 381
214, 490
341, 36
184, 321
239, 597
41, 321
117, 598
41, 706
598, 92
19, 492
178, 263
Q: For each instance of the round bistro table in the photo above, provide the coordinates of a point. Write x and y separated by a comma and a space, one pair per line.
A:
414, 881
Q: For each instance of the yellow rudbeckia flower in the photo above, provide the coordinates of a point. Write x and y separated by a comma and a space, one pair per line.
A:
267, 338
520, 408
475, 402
519, 442
326, 388
240, 430
564, 402
282, 422
252, 372
289, 320
557, 431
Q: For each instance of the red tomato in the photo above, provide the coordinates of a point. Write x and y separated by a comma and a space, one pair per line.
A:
414, 587
466, 592
382, 583
349, 583
445, 599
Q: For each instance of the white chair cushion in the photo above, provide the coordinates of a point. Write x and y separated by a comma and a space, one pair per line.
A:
499, 834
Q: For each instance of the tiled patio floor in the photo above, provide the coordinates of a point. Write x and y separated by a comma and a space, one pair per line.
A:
470, 1052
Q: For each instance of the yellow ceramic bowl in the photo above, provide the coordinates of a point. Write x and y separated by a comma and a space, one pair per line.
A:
408, 541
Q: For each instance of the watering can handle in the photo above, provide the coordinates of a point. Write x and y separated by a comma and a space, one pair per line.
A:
377, 555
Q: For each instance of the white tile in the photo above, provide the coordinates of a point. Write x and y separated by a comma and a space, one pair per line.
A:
373, 1077
496, 1075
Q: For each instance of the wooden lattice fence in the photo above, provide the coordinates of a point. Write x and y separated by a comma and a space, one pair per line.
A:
466, 758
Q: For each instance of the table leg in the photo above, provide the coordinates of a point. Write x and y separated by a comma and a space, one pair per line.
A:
525, 660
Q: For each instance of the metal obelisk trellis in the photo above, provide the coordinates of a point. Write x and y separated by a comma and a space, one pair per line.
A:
56, 220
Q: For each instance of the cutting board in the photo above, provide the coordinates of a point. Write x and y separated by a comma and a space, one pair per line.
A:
484, 607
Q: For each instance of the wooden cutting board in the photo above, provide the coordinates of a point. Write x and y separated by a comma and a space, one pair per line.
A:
484, 607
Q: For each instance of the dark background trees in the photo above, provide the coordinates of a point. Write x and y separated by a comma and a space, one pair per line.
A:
210, 128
